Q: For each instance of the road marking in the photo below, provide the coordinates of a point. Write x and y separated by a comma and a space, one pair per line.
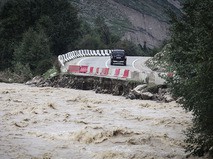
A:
106, 63
133, 65
81, 61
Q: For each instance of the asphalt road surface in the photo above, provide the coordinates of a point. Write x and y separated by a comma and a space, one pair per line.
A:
134, 63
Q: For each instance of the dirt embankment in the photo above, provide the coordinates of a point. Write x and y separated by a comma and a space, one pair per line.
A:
98, 84
127, 88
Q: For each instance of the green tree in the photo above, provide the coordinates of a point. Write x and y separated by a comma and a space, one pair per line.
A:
103, 30
34, 51
91, 42
130, 48
191, 56
89, 38
98, 37
64, 29
12, 25
58, 19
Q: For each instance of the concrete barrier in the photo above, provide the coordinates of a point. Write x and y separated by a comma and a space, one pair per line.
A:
97, 71
91, 70
74, 69
104, 72
117, 72
124, 73
146, 76
107, 72
83, 69
135, 75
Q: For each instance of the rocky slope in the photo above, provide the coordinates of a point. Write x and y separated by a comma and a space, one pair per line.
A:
136, 20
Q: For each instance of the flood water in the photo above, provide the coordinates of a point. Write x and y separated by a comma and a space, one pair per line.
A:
66, 123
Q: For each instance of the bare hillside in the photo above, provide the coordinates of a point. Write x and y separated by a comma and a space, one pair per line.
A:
136, 20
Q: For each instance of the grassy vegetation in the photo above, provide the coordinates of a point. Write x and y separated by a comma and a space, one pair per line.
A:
51, 73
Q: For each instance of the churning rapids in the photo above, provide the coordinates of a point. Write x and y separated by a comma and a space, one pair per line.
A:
45, 122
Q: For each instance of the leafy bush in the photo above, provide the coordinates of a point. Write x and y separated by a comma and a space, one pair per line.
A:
23, 71
91, 42
192, 58
130, 48
50, 73
34, 50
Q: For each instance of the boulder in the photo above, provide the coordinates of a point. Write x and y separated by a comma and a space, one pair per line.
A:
153, 88
131, 96
98, 90
168, 98
36, 80
115, 91
151, 78
147, 96
139, 88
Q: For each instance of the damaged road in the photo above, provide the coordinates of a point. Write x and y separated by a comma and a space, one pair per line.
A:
128, 88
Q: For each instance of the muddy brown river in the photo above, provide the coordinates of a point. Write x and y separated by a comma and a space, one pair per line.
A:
42, 123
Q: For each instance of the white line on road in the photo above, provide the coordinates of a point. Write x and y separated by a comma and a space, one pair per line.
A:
106, 63
81, 61
133, 65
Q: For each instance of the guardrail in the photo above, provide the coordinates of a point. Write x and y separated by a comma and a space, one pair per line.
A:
149, 77
97, 71
118, 73
82, 53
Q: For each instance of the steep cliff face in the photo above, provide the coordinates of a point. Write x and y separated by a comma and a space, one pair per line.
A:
136, 20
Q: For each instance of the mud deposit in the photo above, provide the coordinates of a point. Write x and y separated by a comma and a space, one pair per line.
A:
66, 123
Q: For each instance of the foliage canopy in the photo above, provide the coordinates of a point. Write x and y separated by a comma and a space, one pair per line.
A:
191, 56
57, 19
32, 32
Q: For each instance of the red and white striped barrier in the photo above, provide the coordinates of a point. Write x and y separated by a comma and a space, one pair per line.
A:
125, 74
152, 77
104, 72
83, 69
96, 71
116, 72
74, 69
